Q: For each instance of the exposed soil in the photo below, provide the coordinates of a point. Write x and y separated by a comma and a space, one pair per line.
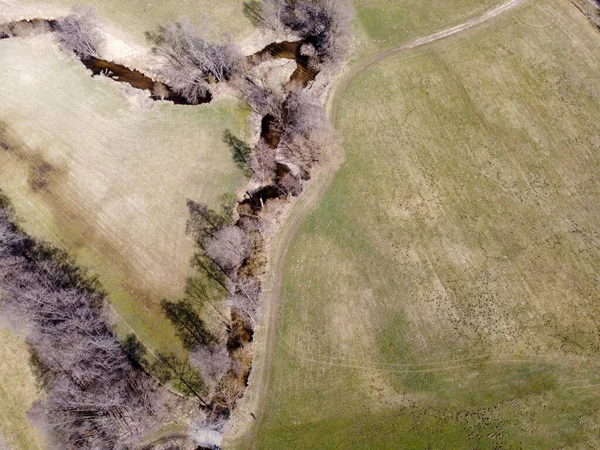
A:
270, 131
303, 74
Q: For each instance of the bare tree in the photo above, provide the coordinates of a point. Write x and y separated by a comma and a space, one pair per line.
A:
245, 301
261, 98
267, 13
202, 292
78, 32
192, 62
324, 23
229, 390
262, 162
204, 222
186, 378
212, 362
306, 131
290, 184
190, 327
310, 52
229, 248
207, 432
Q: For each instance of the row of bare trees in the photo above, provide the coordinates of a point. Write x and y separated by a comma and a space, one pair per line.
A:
214, 372
294, 135
295, 132
97, 398
303, 132
223, 249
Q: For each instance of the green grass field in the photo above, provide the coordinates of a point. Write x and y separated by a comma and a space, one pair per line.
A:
106, 176
18, 391
445, 292
385, 23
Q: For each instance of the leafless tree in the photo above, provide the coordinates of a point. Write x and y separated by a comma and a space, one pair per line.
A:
262, 98
170, 367
323, 23
306, 130
203, 222
290, 184
262, 162
212, 362
192, 62
203, 293
207, 432
229, 390
229, 248
245, 301
78, 32
309, 51
190, 327
271, 14
304, 114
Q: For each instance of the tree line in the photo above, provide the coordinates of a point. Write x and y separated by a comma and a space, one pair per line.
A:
96, 397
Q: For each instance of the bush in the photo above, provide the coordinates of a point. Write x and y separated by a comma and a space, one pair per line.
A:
78, 32
191, 63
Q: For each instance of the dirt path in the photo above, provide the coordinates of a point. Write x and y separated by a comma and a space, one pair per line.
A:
246, 434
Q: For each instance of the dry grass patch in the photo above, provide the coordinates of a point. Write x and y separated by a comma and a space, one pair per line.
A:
18, 391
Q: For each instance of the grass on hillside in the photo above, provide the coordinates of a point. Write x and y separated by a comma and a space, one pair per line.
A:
106, 177
18, 391
445, 292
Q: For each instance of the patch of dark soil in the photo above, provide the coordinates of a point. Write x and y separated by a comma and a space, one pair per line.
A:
239, 334
41, 174
256, 201
271, 130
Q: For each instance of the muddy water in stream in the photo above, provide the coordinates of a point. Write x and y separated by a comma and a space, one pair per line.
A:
137, 79
271, 129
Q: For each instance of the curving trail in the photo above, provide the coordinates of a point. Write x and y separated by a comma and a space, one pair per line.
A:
246, 435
